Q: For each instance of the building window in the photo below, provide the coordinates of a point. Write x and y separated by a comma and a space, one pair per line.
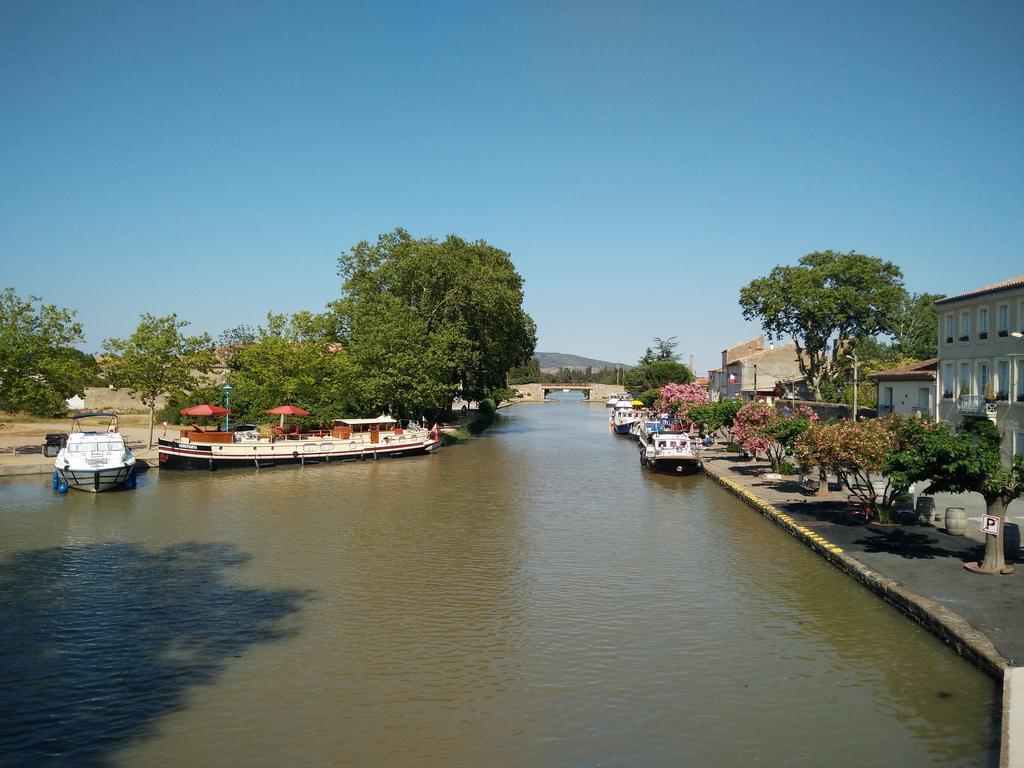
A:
948, 380
1003, 318
984, 382
983, 323
965, 378
949, 328
965, 326
1020, 381
1019, 443
1002, 380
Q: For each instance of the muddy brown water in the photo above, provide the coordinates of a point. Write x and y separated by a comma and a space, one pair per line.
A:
527, 598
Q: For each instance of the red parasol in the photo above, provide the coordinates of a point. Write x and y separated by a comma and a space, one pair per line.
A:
204, 410
287, 410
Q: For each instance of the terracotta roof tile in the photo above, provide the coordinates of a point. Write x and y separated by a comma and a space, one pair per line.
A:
1013, 282
923, 370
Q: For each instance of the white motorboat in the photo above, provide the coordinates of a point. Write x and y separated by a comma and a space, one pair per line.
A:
624, 415
666, 447
94, 460
613, 400
346, 440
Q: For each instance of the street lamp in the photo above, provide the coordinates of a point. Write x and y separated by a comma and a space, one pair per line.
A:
1018, 334
853, 356
227, 405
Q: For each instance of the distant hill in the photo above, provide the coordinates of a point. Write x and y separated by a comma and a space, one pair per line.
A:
550, 362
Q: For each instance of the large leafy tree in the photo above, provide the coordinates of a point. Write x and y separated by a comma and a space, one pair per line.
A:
656, 374
157, 359
824, 303
963, 461
445, 315
39, 369
915, 328
294, 360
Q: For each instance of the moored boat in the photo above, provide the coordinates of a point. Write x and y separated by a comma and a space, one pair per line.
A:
624, 415
666, 447
613, 400
93, 460
346, 440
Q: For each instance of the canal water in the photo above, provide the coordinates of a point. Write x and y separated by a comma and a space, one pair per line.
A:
527, 598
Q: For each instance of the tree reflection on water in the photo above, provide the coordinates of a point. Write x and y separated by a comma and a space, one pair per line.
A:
99, 640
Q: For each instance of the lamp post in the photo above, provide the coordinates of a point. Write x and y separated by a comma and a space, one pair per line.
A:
227, 405
755, 382
853, 356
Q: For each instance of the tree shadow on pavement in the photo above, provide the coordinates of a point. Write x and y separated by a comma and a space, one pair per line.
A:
915, 545
97, 641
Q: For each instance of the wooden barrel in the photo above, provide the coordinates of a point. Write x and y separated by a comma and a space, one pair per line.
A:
926, 509
1011, 542
956, 521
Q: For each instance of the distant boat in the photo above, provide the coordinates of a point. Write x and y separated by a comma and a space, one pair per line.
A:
614, 400
94, 461
567, 390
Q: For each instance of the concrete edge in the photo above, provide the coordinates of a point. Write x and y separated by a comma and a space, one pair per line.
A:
1011, 753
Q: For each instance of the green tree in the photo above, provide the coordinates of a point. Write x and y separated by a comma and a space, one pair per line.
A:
294, 360
712, 417
38, 368
964, 461
829, 300
656, 374
915, 328
666, 348
525, 373
460, 304
158, 360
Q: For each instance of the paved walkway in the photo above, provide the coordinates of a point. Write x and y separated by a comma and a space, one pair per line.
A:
917, 568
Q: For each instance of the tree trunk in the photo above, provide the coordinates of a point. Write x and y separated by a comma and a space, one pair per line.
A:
994, 560
152, 412
822, 481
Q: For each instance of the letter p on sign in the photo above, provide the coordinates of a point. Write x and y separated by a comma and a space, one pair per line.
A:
990, 524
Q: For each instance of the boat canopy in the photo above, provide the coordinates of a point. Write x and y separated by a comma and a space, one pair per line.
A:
97, 413
361, 422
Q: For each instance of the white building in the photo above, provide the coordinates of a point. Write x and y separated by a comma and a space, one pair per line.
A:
981, 359
908, 390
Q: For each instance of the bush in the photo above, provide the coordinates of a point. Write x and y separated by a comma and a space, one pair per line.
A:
787, 469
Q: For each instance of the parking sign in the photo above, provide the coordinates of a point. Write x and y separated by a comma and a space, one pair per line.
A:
990, 524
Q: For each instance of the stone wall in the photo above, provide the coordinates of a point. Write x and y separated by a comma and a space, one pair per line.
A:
107, 399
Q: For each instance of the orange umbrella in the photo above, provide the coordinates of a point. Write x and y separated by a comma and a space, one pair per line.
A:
287, 410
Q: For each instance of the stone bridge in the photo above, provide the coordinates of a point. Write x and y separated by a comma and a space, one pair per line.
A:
592, 392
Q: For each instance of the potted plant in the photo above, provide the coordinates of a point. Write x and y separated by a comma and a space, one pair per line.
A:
990, 392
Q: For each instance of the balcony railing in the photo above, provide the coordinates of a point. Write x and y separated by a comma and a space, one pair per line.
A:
975, 405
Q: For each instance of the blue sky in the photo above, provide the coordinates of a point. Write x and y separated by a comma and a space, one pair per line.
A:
640, 161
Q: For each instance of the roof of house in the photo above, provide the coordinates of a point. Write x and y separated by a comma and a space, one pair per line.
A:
785, 352
923, 370
1005, 285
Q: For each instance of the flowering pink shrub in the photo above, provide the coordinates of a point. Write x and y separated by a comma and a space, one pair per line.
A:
748, 427
679, 398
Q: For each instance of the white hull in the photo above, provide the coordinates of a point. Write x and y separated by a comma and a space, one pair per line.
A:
95, 480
